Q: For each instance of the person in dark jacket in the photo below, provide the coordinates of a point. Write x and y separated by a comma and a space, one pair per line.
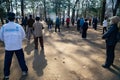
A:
57, 24
30, 27
78, 24
111, 40
81, 24
84, 29
94, 22
24, 22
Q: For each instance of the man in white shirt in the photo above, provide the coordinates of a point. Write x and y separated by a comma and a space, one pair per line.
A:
12, 35
105, 24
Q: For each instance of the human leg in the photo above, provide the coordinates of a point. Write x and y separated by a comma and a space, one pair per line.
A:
36, 42
7, 62
41, 42
109, 55
21, 60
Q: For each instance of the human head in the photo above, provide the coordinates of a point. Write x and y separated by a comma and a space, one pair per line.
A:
11, 16
86, 19
37, 18
115, 19
105, 18
30, 16
25, 17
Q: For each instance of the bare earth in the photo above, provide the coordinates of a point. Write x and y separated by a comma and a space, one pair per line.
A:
66, 57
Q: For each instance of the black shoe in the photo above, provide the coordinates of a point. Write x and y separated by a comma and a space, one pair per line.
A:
5, 78
24, 73
42, 48
105, 66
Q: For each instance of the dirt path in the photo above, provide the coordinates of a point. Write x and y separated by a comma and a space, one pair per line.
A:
66, 57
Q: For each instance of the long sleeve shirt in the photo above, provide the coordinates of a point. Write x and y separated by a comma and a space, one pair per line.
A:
12, 35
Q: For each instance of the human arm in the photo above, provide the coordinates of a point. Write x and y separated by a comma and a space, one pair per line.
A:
108, 33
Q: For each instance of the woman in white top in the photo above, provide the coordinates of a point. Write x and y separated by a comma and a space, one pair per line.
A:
105, 24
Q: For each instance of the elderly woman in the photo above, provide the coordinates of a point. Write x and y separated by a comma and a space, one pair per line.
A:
111, 40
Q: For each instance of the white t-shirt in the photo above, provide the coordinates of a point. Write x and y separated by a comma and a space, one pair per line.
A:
105, 23
12, 35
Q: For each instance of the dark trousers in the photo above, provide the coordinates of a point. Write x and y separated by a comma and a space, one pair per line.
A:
110, 54
95, 26
68, 24
84, 33
57, 26
104, 29
8, 60
40, 41
78, 27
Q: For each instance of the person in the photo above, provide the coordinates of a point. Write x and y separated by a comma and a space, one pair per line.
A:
24, 23
68, 22
57, 24
84, 29
90, 20
81, 24
94, 22
49, 22
63, 21
73, 21
38, 33
111, 40
12, 35
30, 27
105, 24
78, 24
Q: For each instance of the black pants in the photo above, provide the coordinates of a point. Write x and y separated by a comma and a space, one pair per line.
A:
78, 27
84, 33
8, 61
40, 39
104, 29
110, 54
68, 25
57, 26
95, 26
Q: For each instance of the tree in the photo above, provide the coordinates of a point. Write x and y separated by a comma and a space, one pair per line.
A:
8, 5
68, 8
2, 14
22, 8
73, 9
103, 10
116, 7
2, 11
44, 3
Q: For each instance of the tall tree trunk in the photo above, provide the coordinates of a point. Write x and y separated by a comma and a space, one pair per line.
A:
103, 10
116, 7
69, 8
22, 8
16, 3
45, 9
8, 5
73, 10
2, 20
56, 7
11, 5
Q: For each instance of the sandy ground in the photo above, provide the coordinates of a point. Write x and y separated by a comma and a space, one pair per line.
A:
66, 57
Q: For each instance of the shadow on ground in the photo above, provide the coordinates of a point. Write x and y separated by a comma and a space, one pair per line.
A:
39, 62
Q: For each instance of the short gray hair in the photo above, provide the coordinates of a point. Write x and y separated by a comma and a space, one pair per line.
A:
115, 19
